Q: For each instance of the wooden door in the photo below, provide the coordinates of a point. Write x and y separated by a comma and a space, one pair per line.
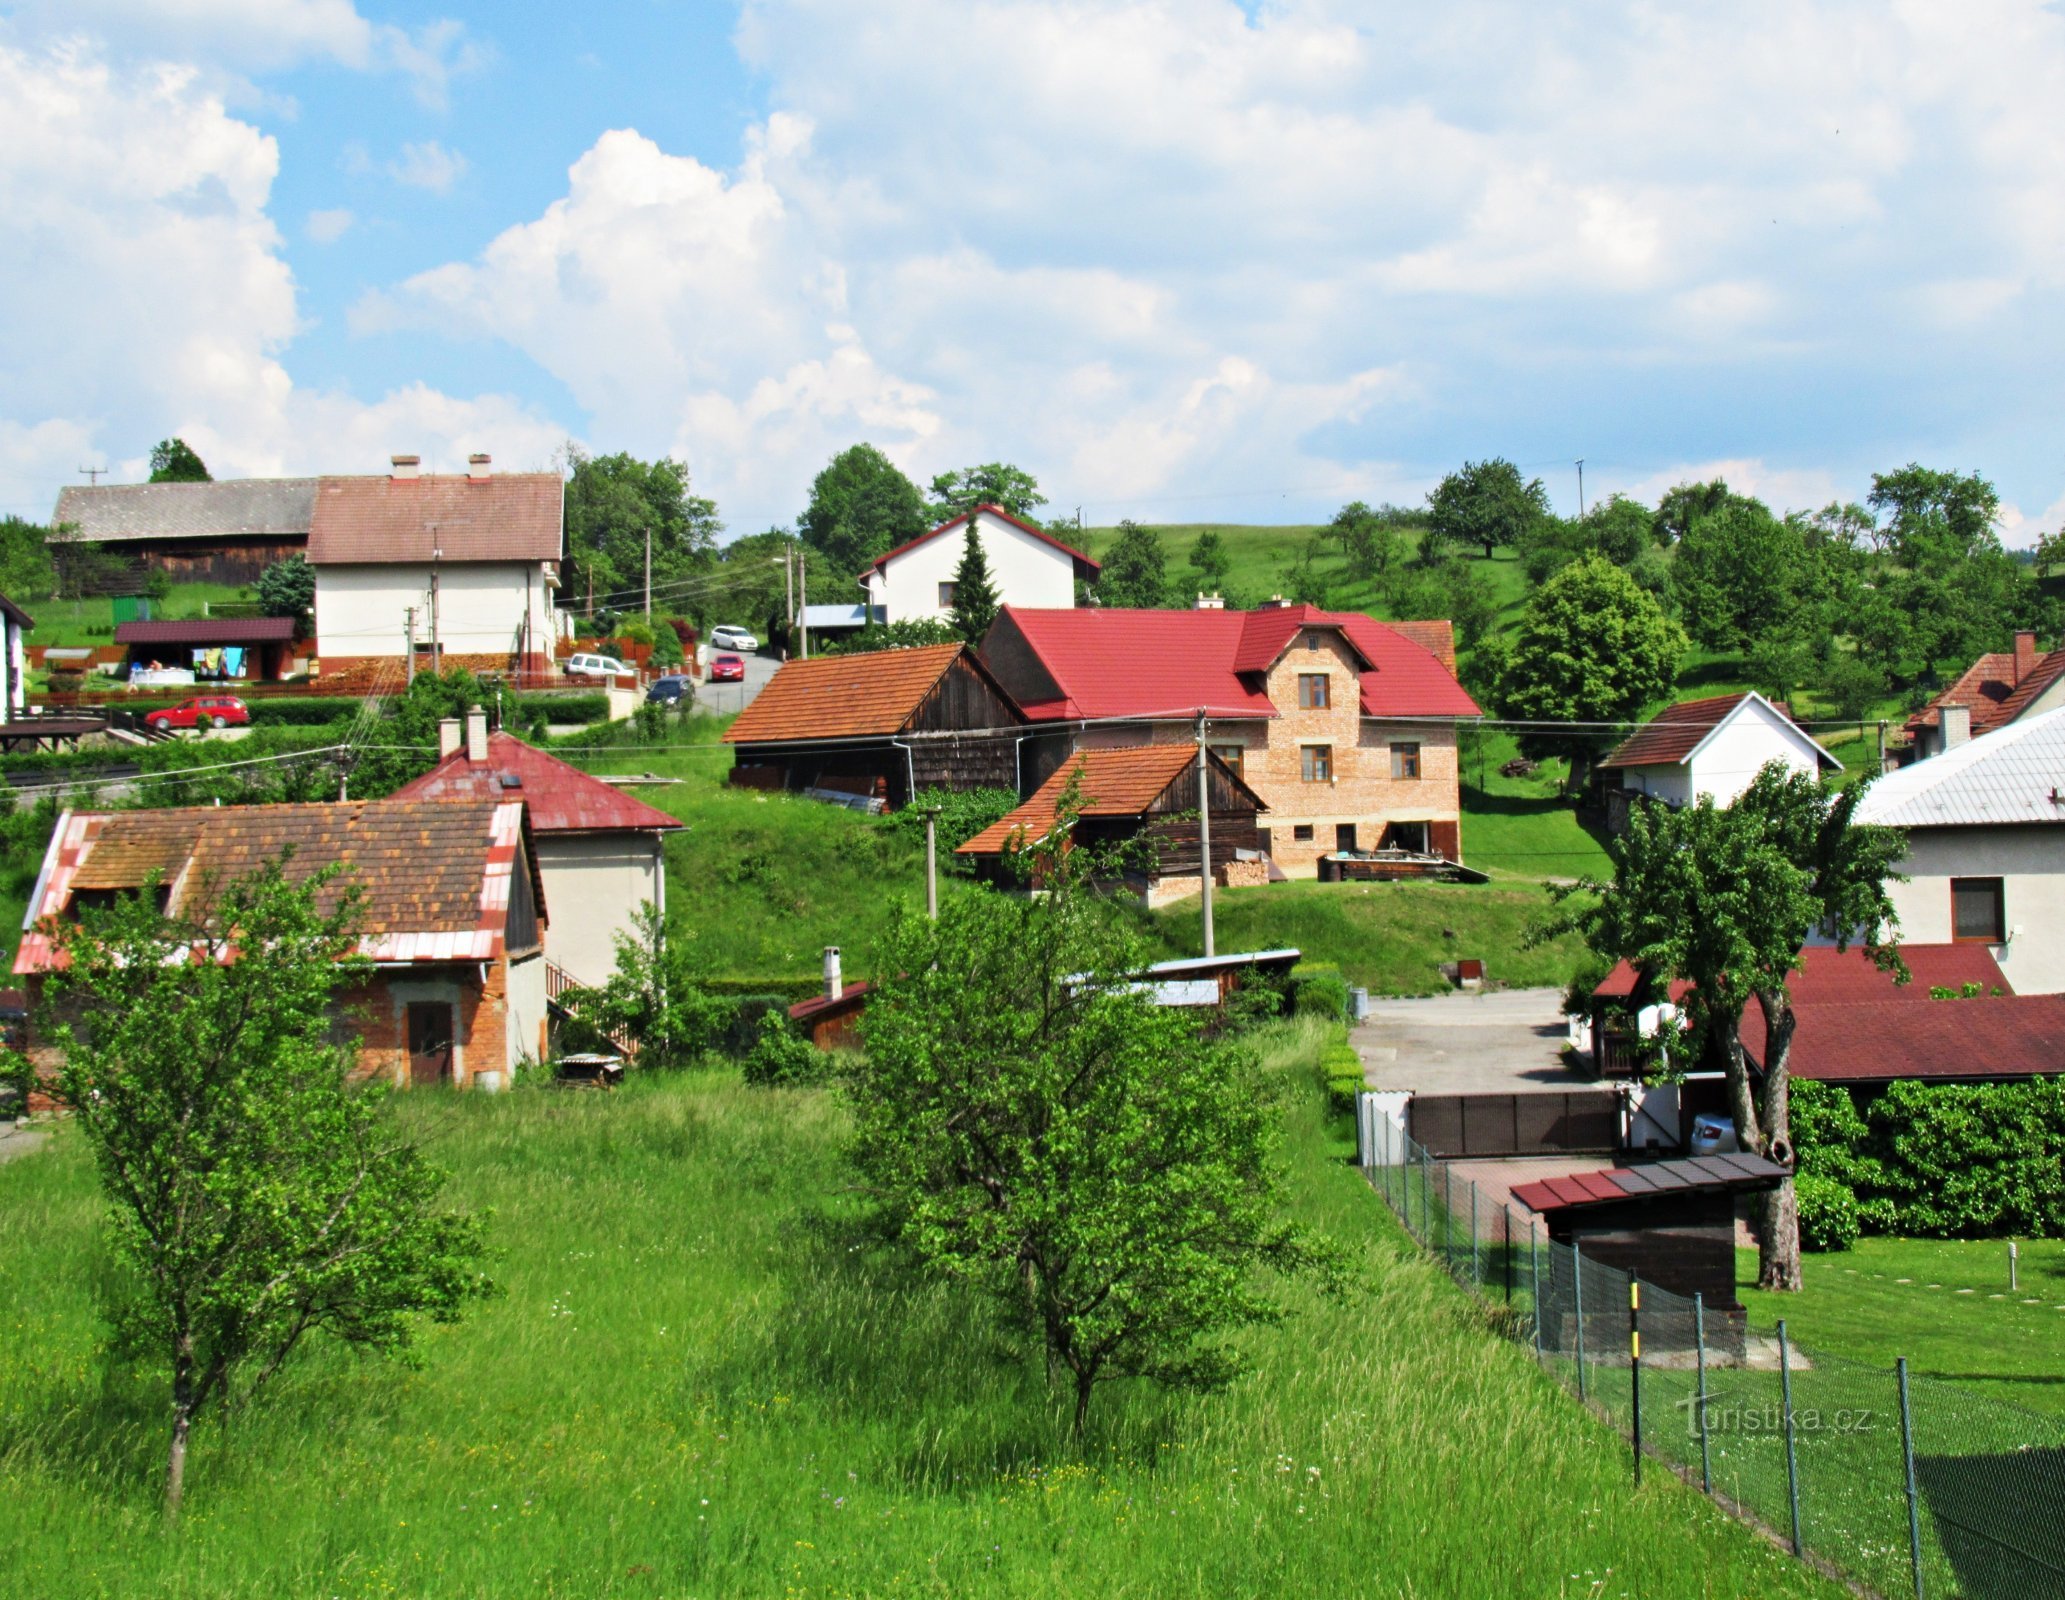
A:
1344, 836
430, 1041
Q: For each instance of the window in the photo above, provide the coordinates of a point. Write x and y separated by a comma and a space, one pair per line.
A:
1978, 911
1302, 832
1405, 758
946, 597
1312, 691
1316, 762
1233, 755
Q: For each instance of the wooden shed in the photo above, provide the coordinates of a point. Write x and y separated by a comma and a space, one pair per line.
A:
876, 727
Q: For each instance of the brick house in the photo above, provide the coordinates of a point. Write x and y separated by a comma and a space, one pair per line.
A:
452, 914
1344, 728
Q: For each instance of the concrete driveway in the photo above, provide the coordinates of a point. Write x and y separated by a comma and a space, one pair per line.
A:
723, 699
1502, 1041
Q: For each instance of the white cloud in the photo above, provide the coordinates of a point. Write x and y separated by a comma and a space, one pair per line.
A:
428, 165
328, 226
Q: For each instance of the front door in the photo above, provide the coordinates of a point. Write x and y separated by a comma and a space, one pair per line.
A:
1344, 836
430, 1041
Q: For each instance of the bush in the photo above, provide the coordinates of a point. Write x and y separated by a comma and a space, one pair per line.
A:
582, 707
781, 1055
302, 711
1828, 1213
744, 1031
1319, 990
963, 813
1340, 1070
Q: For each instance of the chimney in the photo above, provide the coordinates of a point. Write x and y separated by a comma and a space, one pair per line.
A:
406, 468
448, 738
477, 735
1274, 603
1209, 602
2025, 654
477, 466
835, 985
1957, 726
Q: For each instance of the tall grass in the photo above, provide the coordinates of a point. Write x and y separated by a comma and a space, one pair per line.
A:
697, 1386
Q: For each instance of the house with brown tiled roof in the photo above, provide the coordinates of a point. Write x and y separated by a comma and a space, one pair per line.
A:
1143, 798
1992, 692
1712, 747
458, 567
875, 727
452, 913
598, 848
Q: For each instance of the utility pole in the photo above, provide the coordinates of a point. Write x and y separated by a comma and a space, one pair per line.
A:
1204, 827
93, 475
648, 576
931, 864
788, 592
437, 659
411, 657
803, 608
1580, 488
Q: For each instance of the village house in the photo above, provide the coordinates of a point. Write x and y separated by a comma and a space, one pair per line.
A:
15, 625
1713, 747
227, 532
599, 850
452, 916
1143, 801
461, 567
1343, 728
1985, 825
1027, 567
874, 728
1997, 689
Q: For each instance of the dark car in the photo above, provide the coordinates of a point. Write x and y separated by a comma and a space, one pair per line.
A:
203, 711
728, 669
670, 690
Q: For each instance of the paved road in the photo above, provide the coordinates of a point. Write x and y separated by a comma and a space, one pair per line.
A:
722, 699
1503, 1041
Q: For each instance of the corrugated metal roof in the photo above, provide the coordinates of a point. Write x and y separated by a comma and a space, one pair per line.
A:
207, 630
507, 516
236, 507
562, 798
2015, 774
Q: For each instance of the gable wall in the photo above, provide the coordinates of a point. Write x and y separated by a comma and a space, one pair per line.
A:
1736, 752
1023, 570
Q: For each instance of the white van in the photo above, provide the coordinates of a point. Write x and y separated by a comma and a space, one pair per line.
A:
587, 666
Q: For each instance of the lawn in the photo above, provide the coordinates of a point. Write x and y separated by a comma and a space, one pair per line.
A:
1942, 1303
91, 620
694, 1387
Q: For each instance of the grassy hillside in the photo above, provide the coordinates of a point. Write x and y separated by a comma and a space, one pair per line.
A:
694, 1388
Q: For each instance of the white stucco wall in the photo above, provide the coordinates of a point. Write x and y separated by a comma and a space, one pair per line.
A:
2029, 861
363, 610
1024, 571
594, 885
1671, 784
1732, 757
523, 1032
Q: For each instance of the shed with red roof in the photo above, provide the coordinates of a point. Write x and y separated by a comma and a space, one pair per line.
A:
1342, 726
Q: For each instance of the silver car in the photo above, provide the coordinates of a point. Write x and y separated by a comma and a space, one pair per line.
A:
726, 637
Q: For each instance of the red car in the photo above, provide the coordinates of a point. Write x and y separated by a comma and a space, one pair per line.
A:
203, 711
728, 669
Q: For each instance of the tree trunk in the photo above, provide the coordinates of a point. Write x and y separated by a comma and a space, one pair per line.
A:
1778, 1246
175, 1461
1778, 1241
1084, 1381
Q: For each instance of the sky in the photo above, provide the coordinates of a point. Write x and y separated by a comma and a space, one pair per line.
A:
1184, 260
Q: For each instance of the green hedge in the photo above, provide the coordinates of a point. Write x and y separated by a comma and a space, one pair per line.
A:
1828, 1213
585, 706
1340, 1069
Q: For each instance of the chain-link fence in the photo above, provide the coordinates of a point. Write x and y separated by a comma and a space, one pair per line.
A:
1902, 1484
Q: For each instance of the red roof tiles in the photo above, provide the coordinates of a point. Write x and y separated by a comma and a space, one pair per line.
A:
1675, 732
561, 798
1997, 688
207, 630
1122, 782
1981, 1039
1085, 567
1829, 975
1116, 663
509, 516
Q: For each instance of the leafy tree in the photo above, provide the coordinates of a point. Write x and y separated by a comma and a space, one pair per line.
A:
1738, 575
174, 461
1303, 581
1686, 504
655, 998
1025, 1122
612, 503
1457, 590
1617, 528
26, 570
407, 746
1370, 542
860, 507
1487, 503
256, 1197
2049, 551
975, 597
287, 588
1852, 685
995, 483
1779, 662
1935, 519
1211, 559
1591, 648
1725, 899
1135, 571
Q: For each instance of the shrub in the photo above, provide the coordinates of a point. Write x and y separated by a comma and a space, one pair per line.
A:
1828, 1213
302, 711
1828, 1134
1972, 1160
561, 707
744, 1032
963, 813
1340, 1070
781, 1055
1319, 990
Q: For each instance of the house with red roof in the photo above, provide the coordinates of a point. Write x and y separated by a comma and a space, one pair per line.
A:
1712, 747
1027, 566
1344, 728
2001, 687
461, 567
598, 849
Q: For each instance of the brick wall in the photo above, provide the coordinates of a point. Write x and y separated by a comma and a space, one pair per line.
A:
377, 1012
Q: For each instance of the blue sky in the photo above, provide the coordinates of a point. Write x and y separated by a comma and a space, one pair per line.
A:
1184, 259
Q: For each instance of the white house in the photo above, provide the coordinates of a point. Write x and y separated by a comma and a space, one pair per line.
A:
1985, 863
465, 564
1029, 568
14, 669
1711, 747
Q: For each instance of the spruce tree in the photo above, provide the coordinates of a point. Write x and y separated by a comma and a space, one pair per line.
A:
975, 597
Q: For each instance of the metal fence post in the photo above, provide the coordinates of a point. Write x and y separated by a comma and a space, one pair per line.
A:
1792, 1460
1476, 1264
1426, 1198
1448, 1216
1534, 1262
1506, 1230
1635, 1373
1914, 1513
1706, 1464
1577, 1298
